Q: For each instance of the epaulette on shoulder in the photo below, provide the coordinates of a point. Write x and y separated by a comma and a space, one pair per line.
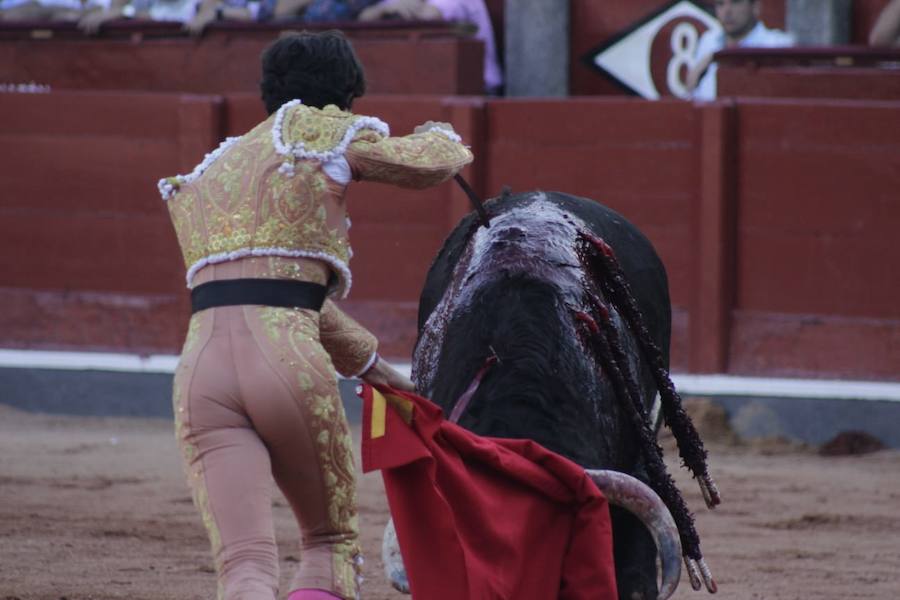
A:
305, 132
169, 186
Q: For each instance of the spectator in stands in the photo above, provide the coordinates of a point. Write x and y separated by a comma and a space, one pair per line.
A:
156, 10
209, 11
321, 11
310, 11
471, 11
194, 14
44, 10
742, 28
886, 31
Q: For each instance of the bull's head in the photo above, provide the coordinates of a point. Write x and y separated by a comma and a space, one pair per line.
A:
518, 295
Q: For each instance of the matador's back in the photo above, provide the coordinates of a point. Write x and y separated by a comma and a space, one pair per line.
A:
279, 189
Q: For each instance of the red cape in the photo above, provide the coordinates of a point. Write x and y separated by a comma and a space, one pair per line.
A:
485, 518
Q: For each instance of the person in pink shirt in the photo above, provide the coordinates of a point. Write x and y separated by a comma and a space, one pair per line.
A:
471, 11
886, 31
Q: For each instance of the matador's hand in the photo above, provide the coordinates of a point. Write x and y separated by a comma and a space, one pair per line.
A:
382, 373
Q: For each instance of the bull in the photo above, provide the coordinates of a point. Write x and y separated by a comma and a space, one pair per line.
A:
553, 323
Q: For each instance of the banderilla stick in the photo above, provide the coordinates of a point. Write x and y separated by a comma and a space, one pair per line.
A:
474, 199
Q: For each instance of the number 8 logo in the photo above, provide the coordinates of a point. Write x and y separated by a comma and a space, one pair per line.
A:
684, 46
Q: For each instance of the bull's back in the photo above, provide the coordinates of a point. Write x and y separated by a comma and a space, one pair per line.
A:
642, 266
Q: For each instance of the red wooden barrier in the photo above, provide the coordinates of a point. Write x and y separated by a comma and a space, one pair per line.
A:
86, 250
712, 296
851, 72
774, 218
422, 58
818, 282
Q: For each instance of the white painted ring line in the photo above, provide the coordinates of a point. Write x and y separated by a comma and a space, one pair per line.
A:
686, 384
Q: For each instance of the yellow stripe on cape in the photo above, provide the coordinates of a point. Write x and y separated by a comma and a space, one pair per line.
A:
379, 411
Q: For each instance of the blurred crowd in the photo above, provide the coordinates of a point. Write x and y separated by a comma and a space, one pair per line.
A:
196, 15
740, 22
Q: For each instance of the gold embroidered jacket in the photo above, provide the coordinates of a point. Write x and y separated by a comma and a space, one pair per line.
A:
278, 191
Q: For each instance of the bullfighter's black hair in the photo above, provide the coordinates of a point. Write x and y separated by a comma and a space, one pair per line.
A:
604, 339
318, 68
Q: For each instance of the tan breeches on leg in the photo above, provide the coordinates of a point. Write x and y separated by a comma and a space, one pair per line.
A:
256, 396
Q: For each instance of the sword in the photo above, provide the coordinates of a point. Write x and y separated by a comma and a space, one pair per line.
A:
474, 199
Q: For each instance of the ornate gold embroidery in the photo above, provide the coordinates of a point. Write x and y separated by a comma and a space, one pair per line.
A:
416, 161
179, 403
297, 333
280, 268
193, 468
336, 456
318, 130
242, 201
348, 343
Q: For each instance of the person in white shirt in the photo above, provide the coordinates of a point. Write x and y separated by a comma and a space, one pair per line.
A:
741, 27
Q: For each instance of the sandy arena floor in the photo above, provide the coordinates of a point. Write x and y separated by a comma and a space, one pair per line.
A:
94, 508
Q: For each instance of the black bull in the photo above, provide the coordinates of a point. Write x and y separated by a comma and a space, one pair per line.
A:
519, 291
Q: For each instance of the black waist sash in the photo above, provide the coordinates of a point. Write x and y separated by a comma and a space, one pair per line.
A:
264, 292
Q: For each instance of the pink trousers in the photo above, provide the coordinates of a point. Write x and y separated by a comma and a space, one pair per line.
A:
255, 396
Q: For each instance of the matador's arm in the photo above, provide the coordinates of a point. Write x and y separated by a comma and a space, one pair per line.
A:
420, 160
416, 161
351, 346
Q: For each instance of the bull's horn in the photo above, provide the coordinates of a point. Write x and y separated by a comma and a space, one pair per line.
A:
393, 562
636, 497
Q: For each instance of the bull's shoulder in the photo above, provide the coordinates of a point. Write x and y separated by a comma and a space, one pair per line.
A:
442, 267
